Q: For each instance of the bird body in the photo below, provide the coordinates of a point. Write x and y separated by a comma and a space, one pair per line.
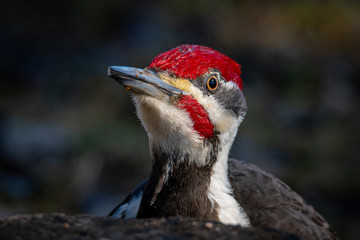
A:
190, 102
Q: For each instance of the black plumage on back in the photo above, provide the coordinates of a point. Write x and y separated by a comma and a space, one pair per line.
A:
271, 203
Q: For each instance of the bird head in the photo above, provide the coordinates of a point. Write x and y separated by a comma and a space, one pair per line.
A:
189, 99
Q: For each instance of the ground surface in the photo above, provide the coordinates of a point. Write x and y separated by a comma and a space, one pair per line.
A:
60, 226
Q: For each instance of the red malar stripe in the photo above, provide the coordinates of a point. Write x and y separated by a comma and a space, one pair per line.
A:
198, 115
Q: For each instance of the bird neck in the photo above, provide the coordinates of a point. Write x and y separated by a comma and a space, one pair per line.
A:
179, 186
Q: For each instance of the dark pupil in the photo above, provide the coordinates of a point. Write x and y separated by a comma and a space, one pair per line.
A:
212, 83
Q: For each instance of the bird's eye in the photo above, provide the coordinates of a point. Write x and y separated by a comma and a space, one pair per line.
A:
212, 83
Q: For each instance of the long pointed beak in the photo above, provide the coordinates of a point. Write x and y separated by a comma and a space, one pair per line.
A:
143, 81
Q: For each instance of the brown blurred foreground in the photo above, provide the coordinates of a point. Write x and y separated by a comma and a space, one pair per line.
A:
85, 227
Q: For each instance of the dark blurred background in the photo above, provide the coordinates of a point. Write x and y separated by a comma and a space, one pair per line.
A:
69, 138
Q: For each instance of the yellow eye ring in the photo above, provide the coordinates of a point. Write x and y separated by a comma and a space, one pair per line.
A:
212, 83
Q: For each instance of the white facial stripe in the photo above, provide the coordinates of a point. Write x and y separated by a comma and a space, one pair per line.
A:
220, 191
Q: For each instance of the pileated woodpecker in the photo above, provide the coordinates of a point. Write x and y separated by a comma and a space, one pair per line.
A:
190, 102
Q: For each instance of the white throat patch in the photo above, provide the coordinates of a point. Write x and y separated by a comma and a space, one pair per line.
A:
170, 128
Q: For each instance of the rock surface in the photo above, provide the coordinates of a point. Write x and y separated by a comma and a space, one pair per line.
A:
60, 226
